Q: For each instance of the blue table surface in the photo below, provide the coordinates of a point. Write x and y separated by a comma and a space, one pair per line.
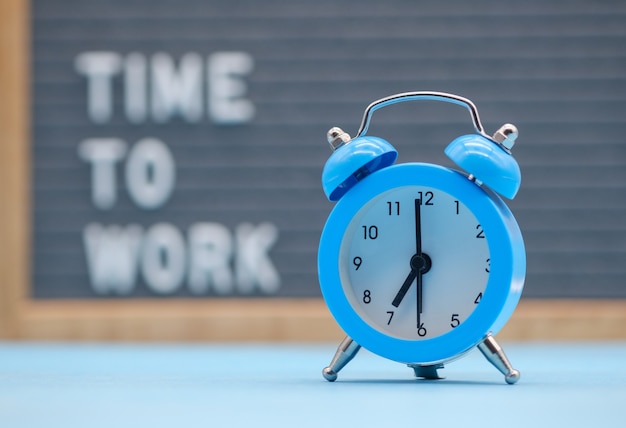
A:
239, 385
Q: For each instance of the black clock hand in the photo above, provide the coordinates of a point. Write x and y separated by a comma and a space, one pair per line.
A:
415, 264
419, 298
418, 254
405, 287
418, 227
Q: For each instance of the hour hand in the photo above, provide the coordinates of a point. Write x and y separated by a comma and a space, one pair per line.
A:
405, 287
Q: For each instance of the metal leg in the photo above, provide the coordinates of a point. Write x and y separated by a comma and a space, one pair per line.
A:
496, 356
345, 353
427, 372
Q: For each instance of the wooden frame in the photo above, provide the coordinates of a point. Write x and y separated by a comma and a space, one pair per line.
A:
280, 320
14, 209
174, 320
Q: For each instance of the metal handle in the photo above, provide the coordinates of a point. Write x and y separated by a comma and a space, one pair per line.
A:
419, 96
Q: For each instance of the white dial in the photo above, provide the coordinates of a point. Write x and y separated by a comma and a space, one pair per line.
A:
414, 262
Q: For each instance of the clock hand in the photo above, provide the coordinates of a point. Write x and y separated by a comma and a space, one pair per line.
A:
405, 287
420, 264
418, 227
419, 297
418, 253
417, 262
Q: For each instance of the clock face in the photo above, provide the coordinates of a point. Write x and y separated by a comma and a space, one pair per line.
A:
414, 262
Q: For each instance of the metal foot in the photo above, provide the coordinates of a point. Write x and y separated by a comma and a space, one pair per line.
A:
496, 356
345, 353
427, 372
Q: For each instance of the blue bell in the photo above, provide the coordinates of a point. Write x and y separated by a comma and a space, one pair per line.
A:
352, 161
489, 161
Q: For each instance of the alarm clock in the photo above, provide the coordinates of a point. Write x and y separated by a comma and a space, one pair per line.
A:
417, 262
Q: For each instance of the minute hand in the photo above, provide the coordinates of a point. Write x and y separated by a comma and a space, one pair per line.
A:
418, 227
417, 264
418, 254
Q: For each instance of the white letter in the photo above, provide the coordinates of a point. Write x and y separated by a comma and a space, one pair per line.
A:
227, 89
102, 153
99, 67
252, 261
176, 92
112, 255
150, 173
210, 252
163, 258
135, 97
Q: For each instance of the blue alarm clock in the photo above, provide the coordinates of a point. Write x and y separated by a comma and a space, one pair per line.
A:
420, 263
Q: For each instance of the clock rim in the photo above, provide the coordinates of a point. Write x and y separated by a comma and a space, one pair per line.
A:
506, 248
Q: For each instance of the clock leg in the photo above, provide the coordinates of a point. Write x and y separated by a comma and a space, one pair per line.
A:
496, 356
427, 372
345, 353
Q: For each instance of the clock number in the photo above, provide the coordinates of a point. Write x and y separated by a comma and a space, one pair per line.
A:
488, 265
391, 206
429, 198
370, 232
390, 317
478, 298
454, 321
481, 232
367, 297
357, 262
421, 330
457, 207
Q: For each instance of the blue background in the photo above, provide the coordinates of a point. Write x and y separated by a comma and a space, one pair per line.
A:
103, 386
